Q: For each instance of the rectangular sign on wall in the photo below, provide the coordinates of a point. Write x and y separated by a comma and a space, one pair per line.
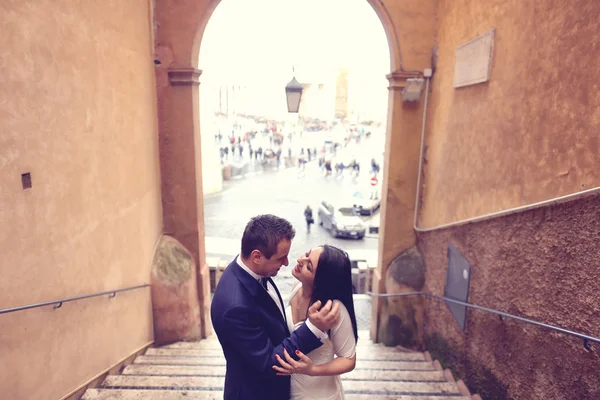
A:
474, 60
458, 278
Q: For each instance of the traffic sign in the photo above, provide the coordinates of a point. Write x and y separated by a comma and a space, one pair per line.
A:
374, 181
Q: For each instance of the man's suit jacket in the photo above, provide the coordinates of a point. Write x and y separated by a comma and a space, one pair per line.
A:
252, 330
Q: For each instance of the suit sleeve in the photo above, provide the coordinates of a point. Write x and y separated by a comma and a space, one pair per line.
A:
248, 337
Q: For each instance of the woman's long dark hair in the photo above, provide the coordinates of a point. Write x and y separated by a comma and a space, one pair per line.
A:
333, 281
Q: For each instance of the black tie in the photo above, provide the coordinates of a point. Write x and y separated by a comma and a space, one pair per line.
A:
264, 282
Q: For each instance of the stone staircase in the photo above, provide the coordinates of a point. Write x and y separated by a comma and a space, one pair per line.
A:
196, 370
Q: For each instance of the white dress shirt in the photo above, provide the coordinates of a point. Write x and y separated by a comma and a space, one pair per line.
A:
273, 293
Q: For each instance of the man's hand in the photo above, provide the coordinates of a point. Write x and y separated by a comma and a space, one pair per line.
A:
303, 366
325, 318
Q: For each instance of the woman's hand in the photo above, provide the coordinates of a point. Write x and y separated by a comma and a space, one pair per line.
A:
290, 366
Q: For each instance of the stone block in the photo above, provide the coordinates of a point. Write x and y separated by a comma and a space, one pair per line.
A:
401, 320
408, 269
175, 304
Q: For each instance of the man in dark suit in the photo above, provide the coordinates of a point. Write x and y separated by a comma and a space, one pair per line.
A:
248, 314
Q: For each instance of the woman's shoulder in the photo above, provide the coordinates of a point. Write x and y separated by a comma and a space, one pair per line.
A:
294, 291
344, 331
344, 314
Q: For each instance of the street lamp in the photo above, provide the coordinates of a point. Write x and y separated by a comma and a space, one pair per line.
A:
293, 92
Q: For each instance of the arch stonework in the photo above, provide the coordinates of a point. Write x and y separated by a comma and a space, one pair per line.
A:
179, 27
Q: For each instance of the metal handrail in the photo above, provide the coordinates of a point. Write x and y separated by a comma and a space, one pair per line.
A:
59, 303
501, 314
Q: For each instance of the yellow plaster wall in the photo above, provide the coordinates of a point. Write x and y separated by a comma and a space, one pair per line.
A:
531, 132
78, 112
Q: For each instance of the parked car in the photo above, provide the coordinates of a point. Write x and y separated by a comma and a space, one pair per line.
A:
341, 221
367, 201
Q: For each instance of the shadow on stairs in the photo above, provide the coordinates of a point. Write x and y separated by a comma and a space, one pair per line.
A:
196, 370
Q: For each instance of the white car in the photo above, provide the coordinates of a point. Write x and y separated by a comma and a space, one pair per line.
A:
366, 202
341, 221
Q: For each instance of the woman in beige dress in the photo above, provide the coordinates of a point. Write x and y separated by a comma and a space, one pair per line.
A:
324, 273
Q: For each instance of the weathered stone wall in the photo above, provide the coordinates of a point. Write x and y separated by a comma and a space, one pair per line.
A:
175, 305
402, 317
542, 264
78, 112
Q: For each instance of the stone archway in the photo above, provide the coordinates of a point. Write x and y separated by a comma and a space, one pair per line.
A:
179, 27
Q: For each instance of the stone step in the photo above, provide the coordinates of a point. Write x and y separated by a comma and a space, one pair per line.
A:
176, 382
350, 386
362, 354
175, 370
363, 340
139, 394
201, 345
388, 375
395, 365
398, 387
361, 364
404, 397
357, 374
165, 360
179, 360
215, 345
184, 352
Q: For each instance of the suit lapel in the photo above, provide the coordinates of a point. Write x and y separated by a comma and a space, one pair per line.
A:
258, 292
280, 301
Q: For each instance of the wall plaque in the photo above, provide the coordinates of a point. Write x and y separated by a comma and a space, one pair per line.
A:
474, 60
458, 279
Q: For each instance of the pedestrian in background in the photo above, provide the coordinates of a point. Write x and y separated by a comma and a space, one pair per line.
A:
308, 215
